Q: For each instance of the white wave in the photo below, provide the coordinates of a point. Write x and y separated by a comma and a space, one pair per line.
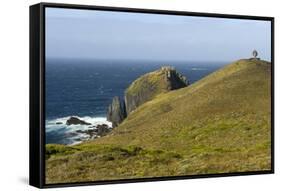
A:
79, 138
52, 125
195, 69
70, 132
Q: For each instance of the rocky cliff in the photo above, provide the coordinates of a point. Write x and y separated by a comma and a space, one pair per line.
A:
149, 85
144, 89
116, 112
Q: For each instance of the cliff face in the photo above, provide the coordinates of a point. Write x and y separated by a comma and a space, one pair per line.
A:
149, 85
144, 89
116, 112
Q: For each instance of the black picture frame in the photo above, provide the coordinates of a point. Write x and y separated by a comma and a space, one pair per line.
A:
37, 93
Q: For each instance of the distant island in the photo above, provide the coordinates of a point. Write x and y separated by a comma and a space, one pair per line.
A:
165, 126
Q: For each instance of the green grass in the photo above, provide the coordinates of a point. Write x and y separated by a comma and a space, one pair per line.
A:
56, 149
92, 162
153, 80
216, 125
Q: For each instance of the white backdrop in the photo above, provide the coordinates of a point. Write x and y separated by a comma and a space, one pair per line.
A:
14, 71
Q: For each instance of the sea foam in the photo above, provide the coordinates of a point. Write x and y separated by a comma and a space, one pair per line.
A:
69, 132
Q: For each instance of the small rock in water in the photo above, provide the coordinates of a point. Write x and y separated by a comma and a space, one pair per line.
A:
76, 121
59, 123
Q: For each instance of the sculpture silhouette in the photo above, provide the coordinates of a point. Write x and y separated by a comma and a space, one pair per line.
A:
255, 53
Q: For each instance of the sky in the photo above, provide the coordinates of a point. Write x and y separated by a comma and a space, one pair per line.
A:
109, 35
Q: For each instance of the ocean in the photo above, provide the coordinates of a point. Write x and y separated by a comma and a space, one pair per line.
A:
85, 88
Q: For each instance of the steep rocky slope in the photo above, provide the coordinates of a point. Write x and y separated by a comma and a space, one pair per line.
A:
149, 85
116, 112
143, 89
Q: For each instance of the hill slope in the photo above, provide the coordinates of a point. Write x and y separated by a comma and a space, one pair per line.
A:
218, 124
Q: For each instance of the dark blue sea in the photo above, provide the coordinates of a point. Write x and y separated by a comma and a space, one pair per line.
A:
85, 88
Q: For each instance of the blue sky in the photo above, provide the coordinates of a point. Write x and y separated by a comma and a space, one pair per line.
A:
88, 34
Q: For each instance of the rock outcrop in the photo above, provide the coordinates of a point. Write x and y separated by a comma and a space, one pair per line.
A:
174, 79
98, 131
144, 89
102, 130
116, 112
76, 121
149, 85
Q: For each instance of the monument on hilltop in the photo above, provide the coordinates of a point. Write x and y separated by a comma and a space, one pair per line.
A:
255, 54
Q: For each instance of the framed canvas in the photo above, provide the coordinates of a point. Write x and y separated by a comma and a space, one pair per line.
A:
130, 95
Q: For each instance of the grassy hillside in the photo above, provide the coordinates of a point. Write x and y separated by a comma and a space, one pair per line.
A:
157, 81
153, 80
218, 124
